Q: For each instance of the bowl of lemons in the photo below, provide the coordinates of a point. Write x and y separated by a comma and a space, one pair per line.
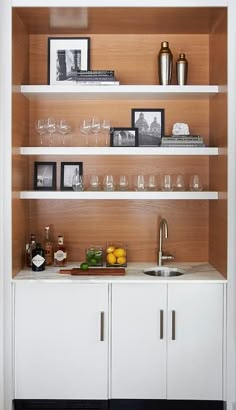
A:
116, 255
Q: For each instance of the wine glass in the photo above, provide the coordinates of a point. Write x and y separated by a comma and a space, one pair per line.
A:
77, 181
106, 126
85, 128
95, 128
39, 128
63, 128
50, 127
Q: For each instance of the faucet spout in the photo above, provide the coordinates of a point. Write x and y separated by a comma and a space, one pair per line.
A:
163, 234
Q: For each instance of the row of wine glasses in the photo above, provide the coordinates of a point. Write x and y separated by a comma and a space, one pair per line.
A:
92, 127
137, 182
48, 127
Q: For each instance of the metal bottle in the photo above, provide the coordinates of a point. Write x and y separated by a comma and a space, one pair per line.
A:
165, 63
181, 70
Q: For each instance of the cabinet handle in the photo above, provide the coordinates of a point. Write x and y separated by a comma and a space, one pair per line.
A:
161, 324
173, 324
102, 326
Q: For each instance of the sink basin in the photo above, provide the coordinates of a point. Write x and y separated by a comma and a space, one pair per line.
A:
164, 271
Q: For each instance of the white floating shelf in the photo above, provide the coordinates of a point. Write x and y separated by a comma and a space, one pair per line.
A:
131, 195
162, 151
117, 92
119, 3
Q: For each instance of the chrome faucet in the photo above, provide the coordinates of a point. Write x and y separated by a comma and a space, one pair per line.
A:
163, 234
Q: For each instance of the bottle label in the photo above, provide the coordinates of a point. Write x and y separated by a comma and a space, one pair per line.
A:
38, 260
60, 255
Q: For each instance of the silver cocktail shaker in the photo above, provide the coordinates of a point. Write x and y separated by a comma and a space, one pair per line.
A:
165, 63
181, 69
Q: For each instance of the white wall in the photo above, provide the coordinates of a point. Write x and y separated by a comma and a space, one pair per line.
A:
5, 205
231, 295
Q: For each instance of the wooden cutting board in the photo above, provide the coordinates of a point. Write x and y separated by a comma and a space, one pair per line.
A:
94, 271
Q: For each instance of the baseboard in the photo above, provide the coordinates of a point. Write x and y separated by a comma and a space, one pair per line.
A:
118, 404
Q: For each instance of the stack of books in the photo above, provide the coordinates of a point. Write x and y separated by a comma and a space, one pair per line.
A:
182, 141
96, 77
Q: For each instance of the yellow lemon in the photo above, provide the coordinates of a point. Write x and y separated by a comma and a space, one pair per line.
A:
119, 252
111, 259
121, 260
110, 249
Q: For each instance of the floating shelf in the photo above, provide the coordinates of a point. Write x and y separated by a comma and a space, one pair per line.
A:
117, 92
160, 151
118, 3
131, 195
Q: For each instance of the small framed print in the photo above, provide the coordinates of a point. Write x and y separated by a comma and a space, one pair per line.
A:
124, 137
45, 176
68, 170
150, 124
66, 56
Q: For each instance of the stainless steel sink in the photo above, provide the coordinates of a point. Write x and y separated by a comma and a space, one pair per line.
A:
164, 271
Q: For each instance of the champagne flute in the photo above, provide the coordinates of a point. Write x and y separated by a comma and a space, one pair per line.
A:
85, 128
95, 128
106, 126
50, 127
39, 127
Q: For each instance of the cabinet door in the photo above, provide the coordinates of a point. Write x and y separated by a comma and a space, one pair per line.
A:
138, 345
194, 362
59, 353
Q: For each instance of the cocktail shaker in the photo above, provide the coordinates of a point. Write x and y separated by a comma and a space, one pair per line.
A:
165, 63
181, 69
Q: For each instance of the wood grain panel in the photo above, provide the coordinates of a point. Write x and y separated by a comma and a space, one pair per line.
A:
133, 57
119, 114
134, 222
218, 136
119, 20
20, 136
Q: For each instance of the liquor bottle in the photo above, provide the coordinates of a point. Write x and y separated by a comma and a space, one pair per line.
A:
38, 258
48, 247
60, 254
28, 250
165, 62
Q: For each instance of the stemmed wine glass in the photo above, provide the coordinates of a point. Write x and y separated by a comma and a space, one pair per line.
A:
106, 126
63, 128
85, 128
40, 129
95, 128
50, 127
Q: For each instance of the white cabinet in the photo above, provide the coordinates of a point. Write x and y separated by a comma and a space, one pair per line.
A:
61, 341
187, 362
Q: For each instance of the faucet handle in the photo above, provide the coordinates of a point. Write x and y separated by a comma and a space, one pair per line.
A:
168, 257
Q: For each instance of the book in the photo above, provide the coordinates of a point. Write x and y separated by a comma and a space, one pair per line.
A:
183, 145
97, 78
98, 82
96, 72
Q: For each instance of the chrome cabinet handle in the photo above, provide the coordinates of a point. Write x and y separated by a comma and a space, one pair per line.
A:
173, 324
161, 324
102, 326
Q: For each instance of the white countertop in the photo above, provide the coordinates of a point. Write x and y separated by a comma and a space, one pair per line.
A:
195, 272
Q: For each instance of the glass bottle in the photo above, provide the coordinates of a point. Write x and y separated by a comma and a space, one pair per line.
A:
60, 254
28, 250
38, 258
48, 247
165, 63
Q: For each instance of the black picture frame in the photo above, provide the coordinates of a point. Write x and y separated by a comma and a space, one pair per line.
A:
45, 176
67, 55
124, 137
67, 172
151, 125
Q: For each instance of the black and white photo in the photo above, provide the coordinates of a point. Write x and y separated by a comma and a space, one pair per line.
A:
68, 170
45, 176
124, 137
66, 56
150, 124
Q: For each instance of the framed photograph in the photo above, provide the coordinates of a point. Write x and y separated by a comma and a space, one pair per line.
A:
67, 55
68, 169
45, 176
124, 137
150, 124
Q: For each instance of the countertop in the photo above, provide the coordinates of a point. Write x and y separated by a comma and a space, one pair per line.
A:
195, 272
